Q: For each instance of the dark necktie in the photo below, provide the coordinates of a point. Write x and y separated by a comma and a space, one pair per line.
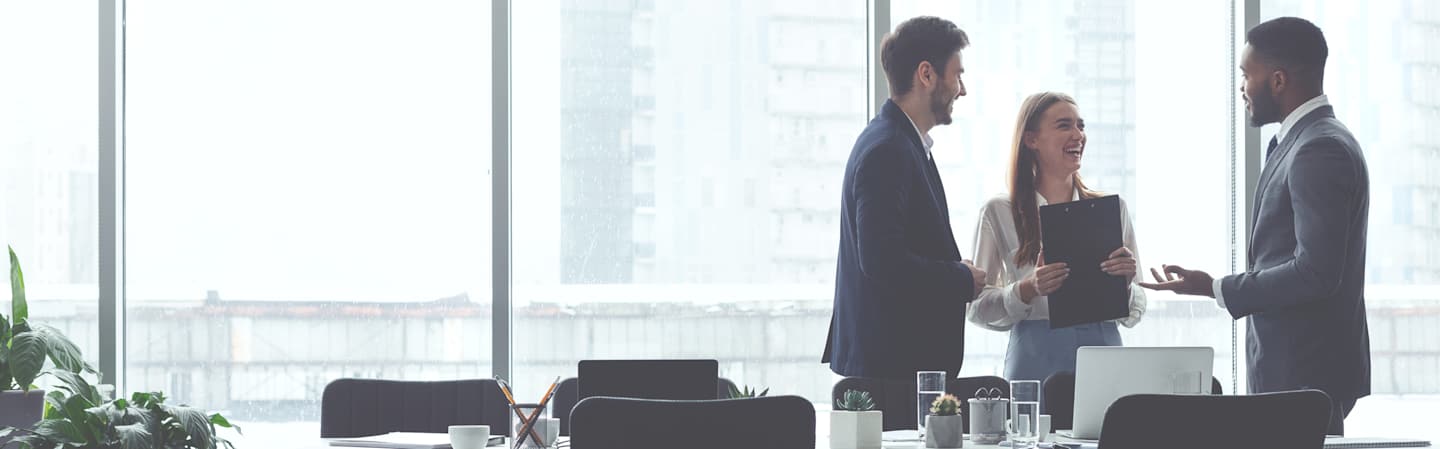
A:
1273, 143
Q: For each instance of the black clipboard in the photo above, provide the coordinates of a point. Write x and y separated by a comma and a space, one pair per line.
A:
1082, 234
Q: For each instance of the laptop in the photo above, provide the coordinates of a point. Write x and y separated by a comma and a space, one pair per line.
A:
1106, 373
648, 379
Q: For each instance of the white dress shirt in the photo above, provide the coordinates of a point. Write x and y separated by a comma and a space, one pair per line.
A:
996, 242
1285, 125
925, 138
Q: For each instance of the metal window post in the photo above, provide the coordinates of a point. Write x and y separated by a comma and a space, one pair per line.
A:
878, 12
502, 312
112, 193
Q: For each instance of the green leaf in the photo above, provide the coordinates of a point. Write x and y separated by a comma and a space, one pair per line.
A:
59, 429
76, 385
100, 424
75, 407
133, 436
219, 420
18, 327
62, 351
124, 416
4, 329
143, 400
195, 424
27, 356
55, 405
21, 310
33, 442
6, 380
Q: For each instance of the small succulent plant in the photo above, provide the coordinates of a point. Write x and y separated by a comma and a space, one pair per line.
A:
855, 401
945, 405
748, 392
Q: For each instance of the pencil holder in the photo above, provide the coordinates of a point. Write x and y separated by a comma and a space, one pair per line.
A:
548, 429
987, 416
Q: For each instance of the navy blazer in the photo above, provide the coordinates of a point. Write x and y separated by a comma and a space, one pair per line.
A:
1304, 290
900, 289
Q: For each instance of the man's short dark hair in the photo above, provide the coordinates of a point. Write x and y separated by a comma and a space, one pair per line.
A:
923, 38
1293, 44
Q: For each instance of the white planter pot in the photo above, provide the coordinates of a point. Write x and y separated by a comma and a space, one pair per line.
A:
855, 430
944, 432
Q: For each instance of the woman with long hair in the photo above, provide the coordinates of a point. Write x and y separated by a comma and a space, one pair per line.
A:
1049, 142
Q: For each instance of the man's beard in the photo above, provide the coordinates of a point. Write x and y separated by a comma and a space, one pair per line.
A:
1263, 108
940, 106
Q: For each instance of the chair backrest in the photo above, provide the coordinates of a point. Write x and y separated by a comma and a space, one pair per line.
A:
781, 422
649, 379
567, 394
363, 407
1291, 419
723, 387
1057, 398
897, 399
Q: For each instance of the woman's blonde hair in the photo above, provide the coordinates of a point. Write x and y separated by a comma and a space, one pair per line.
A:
1023, 170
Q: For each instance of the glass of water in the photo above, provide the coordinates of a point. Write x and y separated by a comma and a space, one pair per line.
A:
928, 386
1024, 426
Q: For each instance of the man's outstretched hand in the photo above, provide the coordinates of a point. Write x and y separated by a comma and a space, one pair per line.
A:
1182, 281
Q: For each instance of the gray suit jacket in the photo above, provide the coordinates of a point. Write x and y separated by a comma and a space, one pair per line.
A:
1304, 289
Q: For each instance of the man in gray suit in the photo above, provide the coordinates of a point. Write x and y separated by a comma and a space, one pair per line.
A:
1304, 288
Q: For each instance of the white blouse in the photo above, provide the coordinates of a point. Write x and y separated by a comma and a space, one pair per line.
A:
996, 241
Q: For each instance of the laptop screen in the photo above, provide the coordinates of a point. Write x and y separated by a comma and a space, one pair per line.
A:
1104, 374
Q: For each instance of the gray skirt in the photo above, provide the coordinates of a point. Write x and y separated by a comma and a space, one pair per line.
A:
1036, 351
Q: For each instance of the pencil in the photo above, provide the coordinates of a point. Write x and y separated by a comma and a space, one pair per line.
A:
505, 388
529, 426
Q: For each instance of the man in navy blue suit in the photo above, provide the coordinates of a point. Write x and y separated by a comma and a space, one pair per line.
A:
900, 285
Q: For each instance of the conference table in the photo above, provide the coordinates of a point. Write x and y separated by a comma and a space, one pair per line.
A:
901, 439
823, 442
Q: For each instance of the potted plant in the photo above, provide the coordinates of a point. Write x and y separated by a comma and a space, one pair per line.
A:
855, 424
943, 428
24, 347
736, 393
76, 415
84, 419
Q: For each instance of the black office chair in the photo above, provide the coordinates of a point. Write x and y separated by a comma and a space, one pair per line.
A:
896, 398
1057, 398
568, 393
1291, 419
781, 422
364, 407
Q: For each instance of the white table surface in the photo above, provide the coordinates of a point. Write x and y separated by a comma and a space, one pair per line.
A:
892, 440
821, 442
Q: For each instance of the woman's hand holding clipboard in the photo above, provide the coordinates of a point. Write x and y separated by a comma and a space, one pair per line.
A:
1085, 235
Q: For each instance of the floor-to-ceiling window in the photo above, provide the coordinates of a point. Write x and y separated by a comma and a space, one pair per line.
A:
49, 163
308, 198
676, 181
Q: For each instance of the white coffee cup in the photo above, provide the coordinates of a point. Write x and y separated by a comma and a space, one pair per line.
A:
469, 437
1044, 429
